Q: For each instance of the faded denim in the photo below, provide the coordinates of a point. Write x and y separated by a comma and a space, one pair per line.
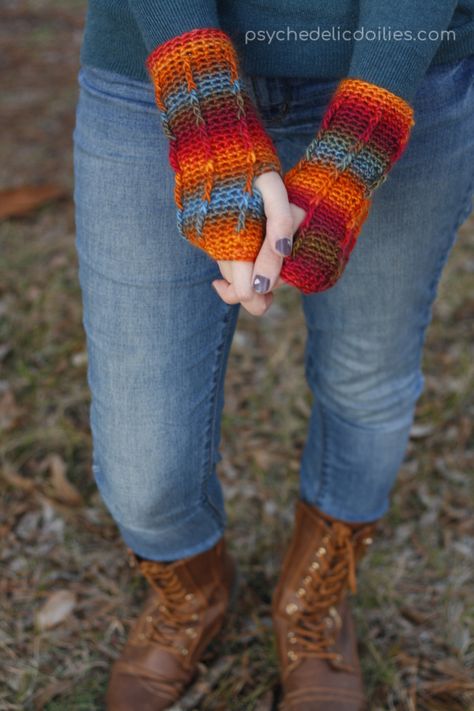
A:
158, 336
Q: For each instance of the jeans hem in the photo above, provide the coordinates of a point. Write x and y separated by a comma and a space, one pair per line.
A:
341, 515
148, 551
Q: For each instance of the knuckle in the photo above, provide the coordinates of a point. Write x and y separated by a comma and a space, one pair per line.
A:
243, 293
284, 225
260, 309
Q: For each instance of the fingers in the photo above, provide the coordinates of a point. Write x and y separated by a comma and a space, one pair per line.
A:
279, 227
257, 305
282, 222
251, 284
236, 287
279, 232
265, 256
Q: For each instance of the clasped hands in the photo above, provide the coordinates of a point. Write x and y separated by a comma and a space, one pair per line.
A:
252, 283
227, 169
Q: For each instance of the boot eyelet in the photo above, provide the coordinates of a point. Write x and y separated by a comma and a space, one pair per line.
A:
307, 580
315, 565
291, 608
301, 592
368, 541
149, 618
189, 596
194, 616
292, 655
321, 552
183, 651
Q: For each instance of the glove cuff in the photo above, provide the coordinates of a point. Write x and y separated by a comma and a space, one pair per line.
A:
218, 145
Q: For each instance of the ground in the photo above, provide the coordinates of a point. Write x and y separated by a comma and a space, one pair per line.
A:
59, 550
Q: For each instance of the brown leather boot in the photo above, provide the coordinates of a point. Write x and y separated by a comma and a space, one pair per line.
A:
184, 612
316, 640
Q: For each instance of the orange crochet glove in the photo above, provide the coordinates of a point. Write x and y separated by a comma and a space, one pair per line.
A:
363, 133
218, 145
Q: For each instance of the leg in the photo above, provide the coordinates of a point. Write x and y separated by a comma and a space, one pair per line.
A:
363, 363
158, 336
365, 336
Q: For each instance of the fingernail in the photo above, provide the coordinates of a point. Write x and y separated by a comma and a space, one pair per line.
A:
261, 284
283, 246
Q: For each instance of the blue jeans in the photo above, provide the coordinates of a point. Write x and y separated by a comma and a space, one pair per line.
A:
158, 335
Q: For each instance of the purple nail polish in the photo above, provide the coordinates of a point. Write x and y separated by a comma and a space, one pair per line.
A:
261, 284
283, 246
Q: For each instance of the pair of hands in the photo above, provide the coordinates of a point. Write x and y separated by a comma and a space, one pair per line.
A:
244, 282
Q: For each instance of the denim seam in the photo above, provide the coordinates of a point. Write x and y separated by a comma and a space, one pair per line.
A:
218, 369
462, 214
325, 458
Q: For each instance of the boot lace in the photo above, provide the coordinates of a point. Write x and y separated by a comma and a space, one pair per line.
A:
174, 610
330, 573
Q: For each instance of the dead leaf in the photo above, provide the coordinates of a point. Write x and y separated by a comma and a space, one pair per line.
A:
5, 349
16, 480
421, 431
15, 202
9, 411
63, 490
265, 703
56, 688
57, 607
203, 683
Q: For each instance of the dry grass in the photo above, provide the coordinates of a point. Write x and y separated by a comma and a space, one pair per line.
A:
415, 602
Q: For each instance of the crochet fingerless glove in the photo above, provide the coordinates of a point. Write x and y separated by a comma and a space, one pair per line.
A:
363, 133
218, 145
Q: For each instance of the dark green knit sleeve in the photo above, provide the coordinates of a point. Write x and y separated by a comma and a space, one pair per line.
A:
161, 20
397, 41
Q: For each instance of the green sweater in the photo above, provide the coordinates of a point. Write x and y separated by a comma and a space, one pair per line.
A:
390, 43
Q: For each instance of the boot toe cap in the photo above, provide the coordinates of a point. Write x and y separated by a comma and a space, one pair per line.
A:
323, 701
129, 692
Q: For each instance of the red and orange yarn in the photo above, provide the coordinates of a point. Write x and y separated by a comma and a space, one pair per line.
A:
218, 145
364, 132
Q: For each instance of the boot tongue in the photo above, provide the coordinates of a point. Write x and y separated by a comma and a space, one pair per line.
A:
163, 578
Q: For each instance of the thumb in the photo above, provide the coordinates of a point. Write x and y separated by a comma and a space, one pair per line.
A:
298, 215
